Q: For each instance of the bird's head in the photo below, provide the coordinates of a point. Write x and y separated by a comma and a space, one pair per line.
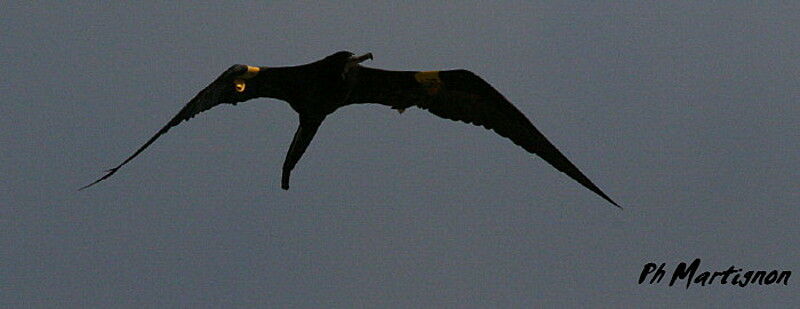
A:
347, 57
343, 61
339, 56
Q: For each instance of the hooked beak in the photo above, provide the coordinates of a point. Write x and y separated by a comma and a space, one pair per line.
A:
361, 58
354, 61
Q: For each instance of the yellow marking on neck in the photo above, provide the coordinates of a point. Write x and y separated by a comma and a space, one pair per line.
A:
430, 80
251, 72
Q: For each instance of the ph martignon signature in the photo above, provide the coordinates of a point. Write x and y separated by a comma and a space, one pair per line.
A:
736, 275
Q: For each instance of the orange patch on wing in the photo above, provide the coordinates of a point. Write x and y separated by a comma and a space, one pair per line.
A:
430, 81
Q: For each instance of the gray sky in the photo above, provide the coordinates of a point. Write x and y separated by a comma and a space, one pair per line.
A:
686, 114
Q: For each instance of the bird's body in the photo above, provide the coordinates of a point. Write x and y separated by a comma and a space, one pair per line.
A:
317, 89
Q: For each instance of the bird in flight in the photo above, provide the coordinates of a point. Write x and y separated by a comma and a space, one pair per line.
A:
317, 89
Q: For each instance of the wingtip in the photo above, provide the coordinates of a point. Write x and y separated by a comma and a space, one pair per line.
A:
89, 185
109, 172
583, 180
605, 197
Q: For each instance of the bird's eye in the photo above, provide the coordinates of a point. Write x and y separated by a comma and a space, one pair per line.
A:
239, 84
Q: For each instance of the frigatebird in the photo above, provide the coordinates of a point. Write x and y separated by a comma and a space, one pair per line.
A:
317, 89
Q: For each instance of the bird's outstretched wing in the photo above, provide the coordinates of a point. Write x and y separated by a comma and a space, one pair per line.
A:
227, 88
463, 96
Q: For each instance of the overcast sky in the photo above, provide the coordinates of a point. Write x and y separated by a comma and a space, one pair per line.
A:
685, 114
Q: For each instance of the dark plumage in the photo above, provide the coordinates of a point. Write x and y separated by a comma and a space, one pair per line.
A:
317, 89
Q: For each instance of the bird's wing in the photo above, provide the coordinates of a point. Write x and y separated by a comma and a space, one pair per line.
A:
302, 138
221, 90
463, 96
